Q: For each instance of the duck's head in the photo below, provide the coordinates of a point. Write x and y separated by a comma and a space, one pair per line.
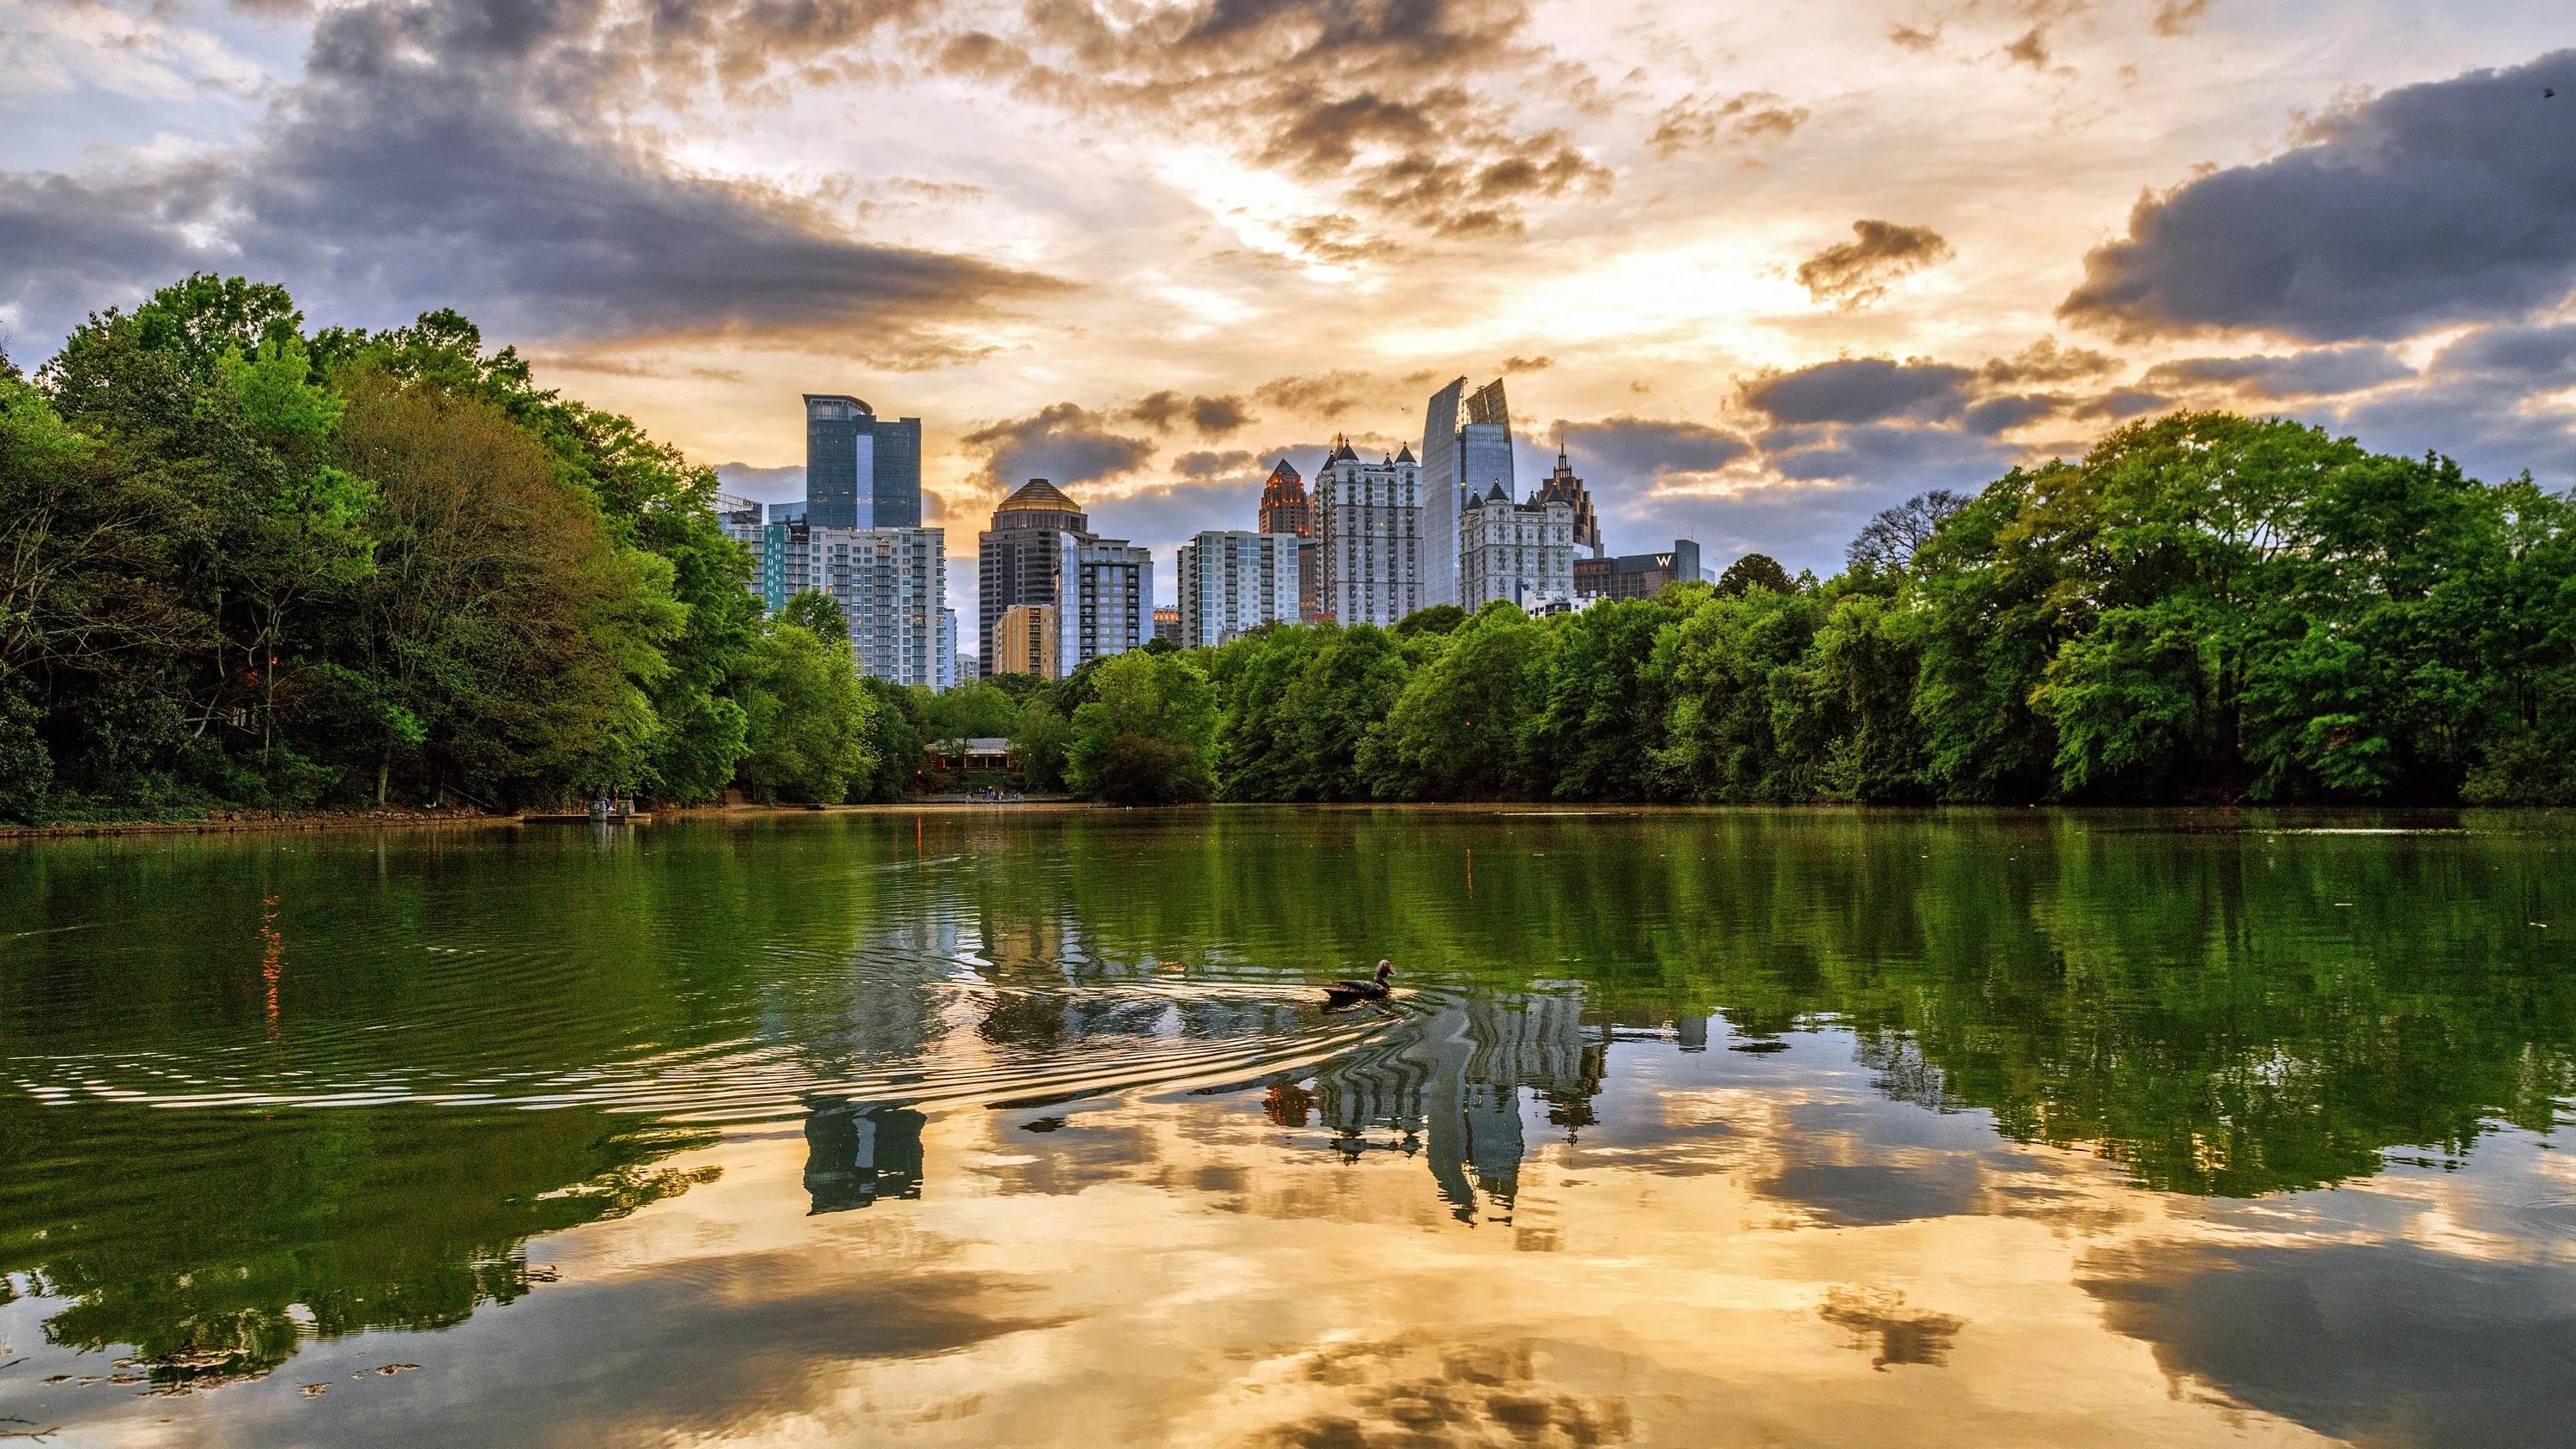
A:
1385, 969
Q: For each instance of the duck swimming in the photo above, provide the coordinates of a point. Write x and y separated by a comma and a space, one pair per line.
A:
1349, 993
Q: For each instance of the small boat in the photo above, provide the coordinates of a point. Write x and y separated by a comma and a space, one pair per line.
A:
1351, 993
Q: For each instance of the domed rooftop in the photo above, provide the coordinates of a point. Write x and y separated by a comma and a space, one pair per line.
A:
1038, 496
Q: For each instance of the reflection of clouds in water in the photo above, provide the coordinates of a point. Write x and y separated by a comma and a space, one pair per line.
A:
2380, 1343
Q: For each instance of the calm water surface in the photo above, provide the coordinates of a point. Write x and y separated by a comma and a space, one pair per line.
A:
1020, 1128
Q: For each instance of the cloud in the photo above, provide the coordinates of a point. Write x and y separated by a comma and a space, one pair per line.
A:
2306, 1333
1861, 390
1905, 457
2487, 399
1517, 363
2045, 361
2541, 355
1914, 38
2177, 17
1856, 273
438, 155
2003, 414
1211, 417
2452, 201
2030, 48
2317, 373
1414, 111
1065, 443
2120, 403
1319, 393
1630, 453
1340, 240
1746, 120
1200, 466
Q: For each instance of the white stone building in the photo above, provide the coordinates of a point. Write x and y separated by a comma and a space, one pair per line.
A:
1523, 552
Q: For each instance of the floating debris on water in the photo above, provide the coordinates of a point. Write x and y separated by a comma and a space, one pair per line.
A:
386, 1370
314, 1391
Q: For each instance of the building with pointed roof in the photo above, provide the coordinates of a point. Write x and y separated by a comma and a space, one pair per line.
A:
1523, 552
1368, 537
1562, 486
1285, 508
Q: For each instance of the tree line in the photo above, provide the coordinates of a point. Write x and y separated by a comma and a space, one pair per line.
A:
243, 564
2205, 607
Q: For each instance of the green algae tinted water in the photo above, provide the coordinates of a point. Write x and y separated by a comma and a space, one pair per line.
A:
1011, 1127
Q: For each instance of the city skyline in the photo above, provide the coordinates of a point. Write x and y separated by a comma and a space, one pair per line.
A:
1763, 274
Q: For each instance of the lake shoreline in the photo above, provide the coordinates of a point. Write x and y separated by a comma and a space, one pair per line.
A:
344, 821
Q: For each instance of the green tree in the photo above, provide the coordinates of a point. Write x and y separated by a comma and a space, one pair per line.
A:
1754, 571
808, 720
1459, 731
1145, 736
817, 612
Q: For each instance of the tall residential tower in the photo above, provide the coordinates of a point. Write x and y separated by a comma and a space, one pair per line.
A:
1371, 554
860, 471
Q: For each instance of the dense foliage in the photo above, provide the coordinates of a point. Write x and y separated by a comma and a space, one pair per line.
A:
243, 565
240, 564
2206, 607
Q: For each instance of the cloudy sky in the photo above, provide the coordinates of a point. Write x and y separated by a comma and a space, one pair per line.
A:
1764, 269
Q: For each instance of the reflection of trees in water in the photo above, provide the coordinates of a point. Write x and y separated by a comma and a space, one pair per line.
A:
2221, 1010
214, 1243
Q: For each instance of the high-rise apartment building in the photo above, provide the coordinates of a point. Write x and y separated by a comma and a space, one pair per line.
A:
1637, 575
1116, 598
891, 584
860, 471
1233, 582
1562, 486
1040, 550
1285, 508
947, 647
1523, 552
1167, 623
1370, 551
1466, 451
1025, 642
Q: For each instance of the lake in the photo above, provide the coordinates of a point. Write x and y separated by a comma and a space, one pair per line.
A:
1026, 1127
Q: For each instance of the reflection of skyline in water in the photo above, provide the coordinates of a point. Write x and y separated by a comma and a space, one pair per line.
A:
1049, 1017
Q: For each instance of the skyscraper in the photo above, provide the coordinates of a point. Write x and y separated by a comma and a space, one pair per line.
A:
1116, 597
891, 584
1030, 555
1466, 452
1370, 550
1440, 500
1040, 550
1563, 487
860, 472
898, 473
1286, 509
1233, 582
840, 462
